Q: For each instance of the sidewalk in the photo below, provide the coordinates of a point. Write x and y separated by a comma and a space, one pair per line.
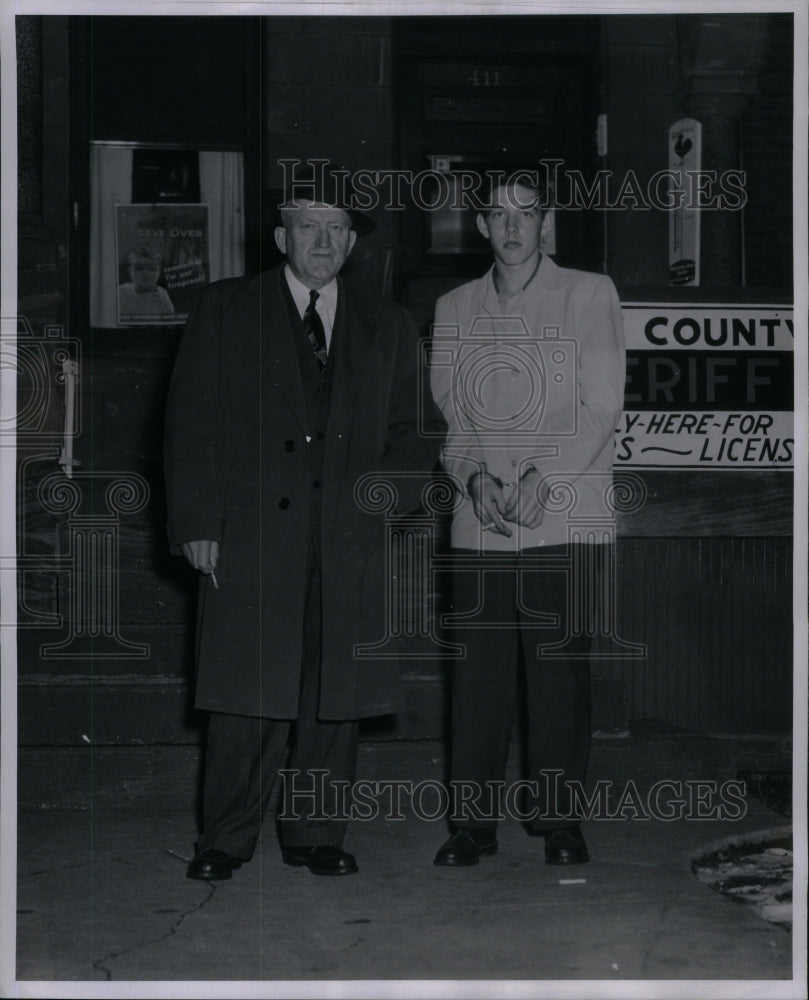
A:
102, 894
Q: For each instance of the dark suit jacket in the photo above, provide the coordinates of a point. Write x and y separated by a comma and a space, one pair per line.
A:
238, 472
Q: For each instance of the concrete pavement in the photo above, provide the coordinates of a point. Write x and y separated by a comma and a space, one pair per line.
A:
103, 898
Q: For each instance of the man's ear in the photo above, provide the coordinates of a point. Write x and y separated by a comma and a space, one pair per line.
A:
547, 222
280, 235
352, 239
483, 227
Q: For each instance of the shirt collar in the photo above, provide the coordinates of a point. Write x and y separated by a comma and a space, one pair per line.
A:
542, 278
327, 295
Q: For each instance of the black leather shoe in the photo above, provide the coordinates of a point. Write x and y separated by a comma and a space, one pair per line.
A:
466, 847
211, 864
566, 847
321, 860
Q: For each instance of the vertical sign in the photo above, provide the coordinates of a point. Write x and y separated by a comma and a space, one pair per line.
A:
685, 157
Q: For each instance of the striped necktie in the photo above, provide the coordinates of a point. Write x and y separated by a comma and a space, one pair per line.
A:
313, 326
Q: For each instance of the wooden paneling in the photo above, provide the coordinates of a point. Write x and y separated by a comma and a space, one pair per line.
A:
716, 616
712, 505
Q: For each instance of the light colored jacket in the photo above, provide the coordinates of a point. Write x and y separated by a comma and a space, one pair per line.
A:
543, 387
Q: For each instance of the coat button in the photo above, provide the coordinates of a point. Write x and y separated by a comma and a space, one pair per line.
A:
289, 445
316, 484
283, 503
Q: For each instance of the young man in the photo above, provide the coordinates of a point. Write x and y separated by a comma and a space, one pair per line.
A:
528, 368
288, 388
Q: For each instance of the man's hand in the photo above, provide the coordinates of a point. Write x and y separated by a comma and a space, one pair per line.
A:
526, 505
488, 502
203, 555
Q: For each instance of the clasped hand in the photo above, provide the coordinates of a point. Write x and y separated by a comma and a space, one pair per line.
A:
523, 506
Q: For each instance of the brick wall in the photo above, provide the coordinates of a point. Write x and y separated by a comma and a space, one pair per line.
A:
643, 98
766, 140
327, 93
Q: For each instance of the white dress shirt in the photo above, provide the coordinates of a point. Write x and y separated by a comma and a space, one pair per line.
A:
326, 304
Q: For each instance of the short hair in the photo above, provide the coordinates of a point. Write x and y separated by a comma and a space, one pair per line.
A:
291, 209
287, 213
145, 252
533, 179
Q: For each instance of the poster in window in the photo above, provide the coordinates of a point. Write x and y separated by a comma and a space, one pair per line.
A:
163, 261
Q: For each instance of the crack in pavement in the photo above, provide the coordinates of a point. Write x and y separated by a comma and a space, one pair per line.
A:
100, 963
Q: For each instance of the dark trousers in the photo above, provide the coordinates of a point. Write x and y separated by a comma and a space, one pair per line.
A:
503, 671
244, 755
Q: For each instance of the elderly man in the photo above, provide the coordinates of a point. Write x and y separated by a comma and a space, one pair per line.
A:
528, 369
288, 388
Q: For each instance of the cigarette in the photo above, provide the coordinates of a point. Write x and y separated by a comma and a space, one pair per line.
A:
215, 582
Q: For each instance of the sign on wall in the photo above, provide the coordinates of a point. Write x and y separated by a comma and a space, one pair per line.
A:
162, 253
685, 161
708, 387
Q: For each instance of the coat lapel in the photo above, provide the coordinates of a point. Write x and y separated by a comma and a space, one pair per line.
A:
354, 343
540, 305
271, 339
543, 300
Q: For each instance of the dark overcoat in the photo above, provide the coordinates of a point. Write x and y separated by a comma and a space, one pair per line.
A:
238, 471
